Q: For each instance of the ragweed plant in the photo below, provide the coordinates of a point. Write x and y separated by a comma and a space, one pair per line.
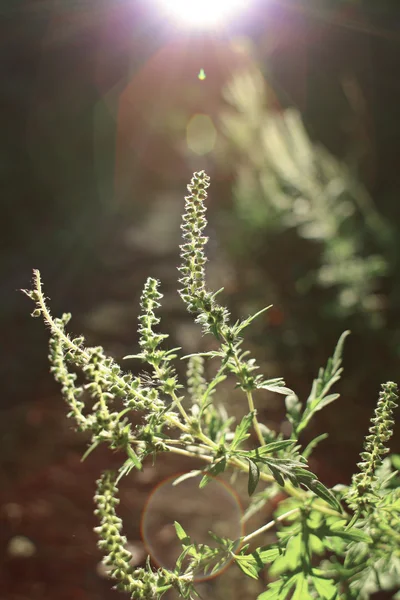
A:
339, 543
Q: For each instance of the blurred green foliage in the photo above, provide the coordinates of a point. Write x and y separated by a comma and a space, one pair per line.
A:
286, 182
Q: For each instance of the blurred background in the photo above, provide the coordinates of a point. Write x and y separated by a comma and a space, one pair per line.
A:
292, 108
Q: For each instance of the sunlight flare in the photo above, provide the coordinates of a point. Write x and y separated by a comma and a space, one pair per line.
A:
202, 13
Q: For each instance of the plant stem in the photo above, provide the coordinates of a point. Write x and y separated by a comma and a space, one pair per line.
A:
49, 319
270, 525
255, 421
250, 402
183, 452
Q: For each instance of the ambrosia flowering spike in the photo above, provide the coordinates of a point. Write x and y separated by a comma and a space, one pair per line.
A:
212, 316
192, 251
150, 341
142, 584
364, 483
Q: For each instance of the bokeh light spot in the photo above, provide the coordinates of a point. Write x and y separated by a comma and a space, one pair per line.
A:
201, 134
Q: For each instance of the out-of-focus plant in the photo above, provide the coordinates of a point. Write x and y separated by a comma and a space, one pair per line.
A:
285, 181
357, 526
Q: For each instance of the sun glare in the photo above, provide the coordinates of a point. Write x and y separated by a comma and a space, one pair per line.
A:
202, 13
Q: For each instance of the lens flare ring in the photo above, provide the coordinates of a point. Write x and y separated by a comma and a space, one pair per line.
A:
216, 507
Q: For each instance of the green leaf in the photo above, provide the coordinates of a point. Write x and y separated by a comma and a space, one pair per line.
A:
90, 450
316, 544
327, 377
395, 458
179, 561
293, 409
325, 588
277, 475
350, 535
301, 591
135, 460
270, 448
292, 557
251, 564
215, 469
254, 477
265, 555
210, 354
181, 533
248, 565
250, 319
279, 590
338, 353
320, 404
241, 432
275, 387
322, 492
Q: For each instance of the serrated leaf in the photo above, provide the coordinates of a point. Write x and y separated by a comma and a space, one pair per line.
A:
248, 565
276, 474
251, 564
293, 552
320, 404
221, 541
278, 389
301, 590
327, 377
325, 588
351, 535
278, 590
254, 477
285, 468
270, 448
265, 555
316, 544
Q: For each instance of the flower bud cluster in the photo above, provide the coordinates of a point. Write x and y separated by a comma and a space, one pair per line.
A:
361, 494
211, 315
150, 341
142, 584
